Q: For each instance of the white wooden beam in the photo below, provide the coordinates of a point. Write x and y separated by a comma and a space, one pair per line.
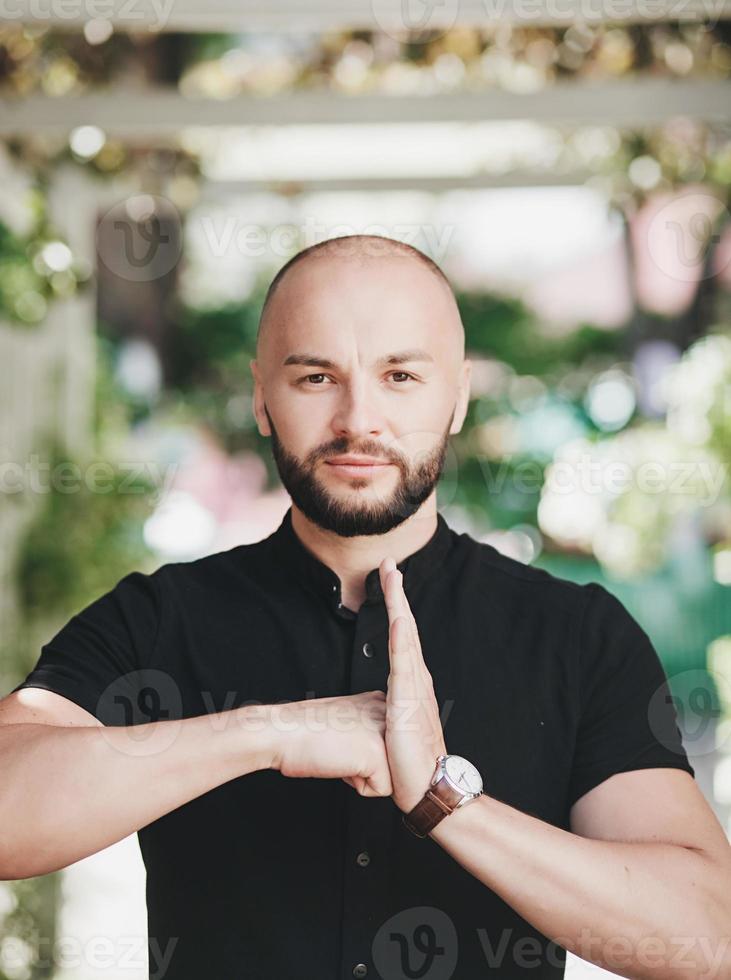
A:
320, 15
149, 114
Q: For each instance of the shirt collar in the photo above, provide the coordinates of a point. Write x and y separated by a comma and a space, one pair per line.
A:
294, 555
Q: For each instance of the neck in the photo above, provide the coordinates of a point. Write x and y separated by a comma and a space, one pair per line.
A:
353, 558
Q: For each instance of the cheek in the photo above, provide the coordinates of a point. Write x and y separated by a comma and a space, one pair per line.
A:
291, 412
303, 428
417, 432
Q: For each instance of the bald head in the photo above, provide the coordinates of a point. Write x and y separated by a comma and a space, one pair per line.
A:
360, 250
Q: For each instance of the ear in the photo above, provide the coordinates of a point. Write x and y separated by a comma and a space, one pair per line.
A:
257, 402
463, 397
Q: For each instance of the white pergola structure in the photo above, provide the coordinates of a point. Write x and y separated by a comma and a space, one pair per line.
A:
623, 102
628, 102
162, 114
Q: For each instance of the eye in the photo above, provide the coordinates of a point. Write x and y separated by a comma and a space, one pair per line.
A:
308, 378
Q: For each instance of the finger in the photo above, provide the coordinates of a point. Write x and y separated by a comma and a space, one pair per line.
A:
379, 783
404, 609
393, 592
400, 655
369, 790
403, 634
396, 602
409, 630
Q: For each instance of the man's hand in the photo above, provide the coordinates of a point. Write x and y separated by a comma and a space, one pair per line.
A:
380, 744
414, 736
329, 738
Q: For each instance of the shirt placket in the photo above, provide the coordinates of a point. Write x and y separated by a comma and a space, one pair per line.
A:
369, 821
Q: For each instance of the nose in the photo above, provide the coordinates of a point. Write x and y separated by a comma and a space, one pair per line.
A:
358, 414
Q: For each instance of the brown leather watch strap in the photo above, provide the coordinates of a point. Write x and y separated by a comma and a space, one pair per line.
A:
426, 814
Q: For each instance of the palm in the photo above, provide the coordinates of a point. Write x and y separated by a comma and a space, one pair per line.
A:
414, 736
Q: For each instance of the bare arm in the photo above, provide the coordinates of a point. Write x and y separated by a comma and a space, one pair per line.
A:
70, 786
70, 790
641, 908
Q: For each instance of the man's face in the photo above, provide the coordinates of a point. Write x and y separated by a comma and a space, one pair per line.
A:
353, 315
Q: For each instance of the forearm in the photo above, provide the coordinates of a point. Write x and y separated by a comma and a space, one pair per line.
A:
642, 910
67, 792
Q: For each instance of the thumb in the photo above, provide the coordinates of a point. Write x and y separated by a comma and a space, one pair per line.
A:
379, 782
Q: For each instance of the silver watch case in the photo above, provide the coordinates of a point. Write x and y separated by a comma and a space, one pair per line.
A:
440, 773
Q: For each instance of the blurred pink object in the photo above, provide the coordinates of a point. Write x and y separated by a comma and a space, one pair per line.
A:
232, 489
670, 235
592, 288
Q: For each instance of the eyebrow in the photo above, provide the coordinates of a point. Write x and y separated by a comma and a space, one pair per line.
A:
399, 357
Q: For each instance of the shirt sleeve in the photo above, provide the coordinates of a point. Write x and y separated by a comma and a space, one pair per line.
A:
100, 658
627, 717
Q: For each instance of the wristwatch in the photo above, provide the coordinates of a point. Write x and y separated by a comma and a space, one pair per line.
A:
455, 783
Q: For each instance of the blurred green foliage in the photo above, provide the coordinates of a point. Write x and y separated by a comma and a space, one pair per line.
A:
506, 329
82, 541
27, 284
84, 536
28, 931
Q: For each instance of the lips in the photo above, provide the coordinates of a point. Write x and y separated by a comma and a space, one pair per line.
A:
356, 461
357, 467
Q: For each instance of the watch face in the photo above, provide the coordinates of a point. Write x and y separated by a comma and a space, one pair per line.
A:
463, 774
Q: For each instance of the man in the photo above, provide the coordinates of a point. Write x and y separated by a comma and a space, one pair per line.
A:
269, 718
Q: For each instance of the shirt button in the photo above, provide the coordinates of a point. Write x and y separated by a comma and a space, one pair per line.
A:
335, 588
363, 859
360, 970
367, 650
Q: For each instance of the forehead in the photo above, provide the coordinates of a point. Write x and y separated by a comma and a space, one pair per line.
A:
361, 307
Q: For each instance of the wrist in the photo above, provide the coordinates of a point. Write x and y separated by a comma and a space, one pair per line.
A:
455, 784
460, 819
407, 800
260, 743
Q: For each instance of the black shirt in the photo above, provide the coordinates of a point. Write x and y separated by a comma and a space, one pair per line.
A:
547, 686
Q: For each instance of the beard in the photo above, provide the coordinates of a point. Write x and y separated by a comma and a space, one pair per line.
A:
352, 514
